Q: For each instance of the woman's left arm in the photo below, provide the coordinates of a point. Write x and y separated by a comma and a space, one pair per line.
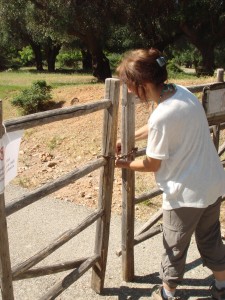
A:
148, 164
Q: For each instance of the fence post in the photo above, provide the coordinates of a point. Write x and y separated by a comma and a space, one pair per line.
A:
220, 75
128, 186
5, 264
216, 128
112, 89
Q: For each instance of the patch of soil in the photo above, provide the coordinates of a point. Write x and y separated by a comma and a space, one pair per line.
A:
53, 150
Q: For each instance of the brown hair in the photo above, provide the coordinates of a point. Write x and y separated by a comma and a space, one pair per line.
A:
141, 66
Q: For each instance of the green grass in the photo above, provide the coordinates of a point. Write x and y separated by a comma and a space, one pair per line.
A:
13, 82
7, 92
26, 77
6, 89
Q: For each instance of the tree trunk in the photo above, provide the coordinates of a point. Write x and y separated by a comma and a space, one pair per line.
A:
38, 56
52, 52
205, 47
86, 60
207, 53
100, 63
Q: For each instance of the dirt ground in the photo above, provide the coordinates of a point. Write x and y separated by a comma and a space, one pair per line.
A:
52, 150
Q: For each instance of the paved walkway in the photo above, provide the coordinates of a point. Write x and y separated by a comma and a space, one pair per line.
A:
35, 226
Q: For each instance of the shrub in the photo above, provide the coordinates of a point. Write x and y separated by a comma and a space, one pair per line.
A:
33, 99
26, 56
173, 68
70, 59
14, 64
114, 60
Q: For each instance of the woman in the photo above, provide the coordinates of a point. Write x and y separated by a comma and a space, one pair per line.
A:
187, 168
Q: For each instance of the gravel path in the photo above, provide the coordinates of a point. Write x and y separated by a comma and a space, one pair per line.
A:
35, 226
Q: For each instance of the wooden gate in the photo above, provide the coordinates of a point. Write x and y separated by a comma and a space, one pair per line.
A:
130, 238
102, 215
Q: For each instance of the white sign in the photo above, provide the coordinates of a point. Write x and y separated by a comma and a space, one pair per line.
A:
216, 101
9, 152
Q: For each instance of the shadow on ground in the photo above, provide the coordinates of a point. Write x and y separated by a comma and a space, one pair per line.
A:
185, 291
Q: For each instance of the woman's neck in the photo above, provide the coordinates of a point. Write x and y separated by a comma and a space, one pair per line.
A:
160, 93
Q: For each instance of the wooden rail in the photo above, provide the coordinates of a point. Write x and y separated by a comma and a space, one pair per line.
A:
54, 115
63, 284
53, 186
57, 243
24, 269
47, 270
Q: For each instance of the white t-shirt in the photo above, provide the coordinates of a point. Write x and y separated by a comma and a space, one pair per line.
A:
191, 174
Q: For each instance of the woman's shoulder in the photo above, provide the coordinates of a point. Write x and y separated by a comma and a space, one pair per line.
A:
182, 88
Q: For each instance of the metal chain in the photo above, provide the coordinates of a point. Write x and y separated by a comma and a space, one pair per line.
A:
122, 156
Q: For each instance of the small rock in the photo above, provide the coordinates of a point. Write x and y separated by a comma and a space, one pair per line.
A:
82, 194
46, 157
51, 164
74, 101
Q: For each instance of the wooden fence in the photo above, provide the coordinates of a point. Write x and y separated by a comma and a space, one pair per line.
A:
24, 269
130, 238
102, 215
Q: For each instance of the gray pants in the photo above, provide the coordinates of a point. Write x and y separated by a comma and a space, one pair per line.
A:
178, 227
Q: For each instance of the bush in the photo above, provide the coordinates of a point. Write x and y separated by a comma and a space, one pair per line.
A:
70, 59
33, 99
173, 68
114, 60
14, 64
27, 56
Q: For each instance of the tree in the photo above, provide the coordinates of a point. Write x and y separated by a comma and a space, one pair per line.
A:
153, 21
15, 27
7, 51
203, 24
90, 21
161, 23
86, 20
23, 25
49, 41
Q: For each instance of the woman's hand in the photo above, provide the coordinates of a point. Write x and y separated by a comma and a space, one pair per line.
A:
121, 163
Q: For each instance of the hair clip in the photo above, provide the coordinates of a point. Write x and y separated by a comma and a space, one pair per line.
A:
161, 61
